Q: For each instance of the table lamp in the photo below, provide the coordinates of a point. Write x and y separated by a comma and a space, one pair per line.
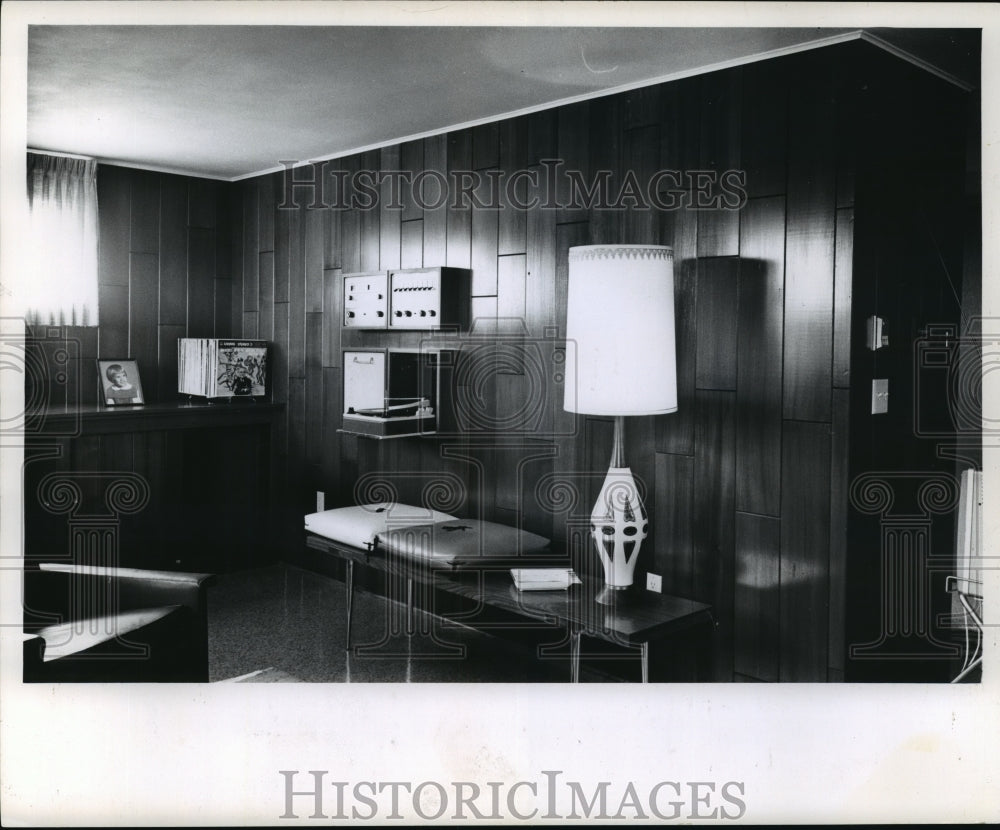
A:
620, 361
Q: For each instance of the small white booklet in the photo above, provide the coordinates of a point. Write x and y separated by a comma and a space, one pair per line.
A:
544, 579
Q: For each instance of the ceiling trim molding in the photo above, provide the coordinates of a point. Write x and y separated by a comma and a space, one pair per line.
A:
561, 102
909, 57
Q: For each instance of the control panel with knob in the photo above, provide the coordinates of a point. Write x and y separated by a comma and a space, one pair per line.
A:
365, 299
416, 299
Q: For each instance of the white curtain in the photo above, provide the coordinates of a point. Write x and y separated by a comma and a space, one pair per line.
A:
61, 254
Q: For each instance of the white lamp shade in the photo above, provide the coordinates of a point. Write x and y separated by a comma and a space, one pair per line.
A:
620, 351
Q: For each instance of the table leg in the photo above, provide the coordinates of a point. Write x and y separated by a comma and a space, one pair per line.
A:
349, 580
645, 661
574, 656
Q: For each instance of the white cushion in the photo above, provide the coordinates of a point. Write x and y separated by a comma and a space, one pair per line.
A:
359, 525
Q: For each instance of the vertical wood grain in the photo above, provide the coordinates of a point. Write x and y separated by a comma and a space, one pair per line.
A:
606, 167
296, 295
839, 488
223, 326
843, 271
718, 290
201, 287
313, 257
714, 501
313, 388
718, 220
144, 235
459, 210
331, 317
759, 375
680, 151
251, 251
805, 551
673, 513
512, 238
142, 315
809, 249
114, 310
350, 221
757, 597
166, 389
411, 253
764, 128
114, 197
573, 149
485, 225
390, 210
173, 291
265, 320
370, 234
270, 193
435, 215
203, 196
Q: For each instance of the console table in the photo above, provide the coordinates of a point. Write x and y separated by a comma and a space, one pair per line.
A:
168, 486
640, 619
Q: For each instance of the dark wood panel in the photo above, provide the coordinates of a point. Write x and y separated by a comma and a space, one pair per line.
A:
718, 214
201, 282
334, 485
297, 298
250, 249
114, 197
279, 353
265, 320
202, 201
714, 576
805, 551
718, 292
282, 252
459, 216
313, 388
167, 382
485, 229
370, 243
757, 596
540, 267
114, 306
642, 107
390, 210
672, 514
142, 336
764, 128
223, 305
236, 242
173, 251
485, 145
144, 220
843, 276
839, 488
313, 258
809, 249
680, 151
250, 324
411, 253
758, 385
333, 216
435, 218
542, 136
270, 193
411, 161
641, 156
331, 317
513, 159
350, 221
607, 169
573, 148
511, 295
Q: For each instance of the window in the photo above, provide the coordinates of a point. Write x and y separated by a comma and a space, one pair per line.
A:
61, 257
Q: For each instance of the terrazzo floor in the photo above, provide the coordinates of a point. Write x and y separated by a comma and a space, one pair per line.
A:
292, 622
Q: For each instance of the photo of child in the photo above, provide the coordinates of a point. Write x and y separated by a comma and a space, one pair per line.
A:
118, 387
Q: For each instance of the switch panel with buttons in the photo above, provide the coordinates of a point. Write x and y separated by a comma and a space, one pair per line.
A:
428, 298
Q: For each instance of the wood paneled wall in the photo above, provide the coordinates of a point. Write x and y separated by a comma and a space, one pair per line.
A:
163, 273
747, 482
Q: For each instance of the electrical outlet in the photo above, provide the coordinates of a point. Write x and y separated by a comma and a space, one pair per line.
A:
320, 501
654, 582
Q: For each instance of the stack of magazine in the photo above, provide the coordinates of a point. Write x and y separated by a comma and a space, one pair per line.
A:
221, 368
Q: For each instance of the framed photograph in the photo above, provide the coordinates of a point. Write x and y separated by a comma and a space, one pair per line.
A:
120, 384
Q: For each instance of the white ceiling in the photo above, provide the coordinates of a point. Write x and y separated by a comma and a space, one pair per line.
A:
232, 101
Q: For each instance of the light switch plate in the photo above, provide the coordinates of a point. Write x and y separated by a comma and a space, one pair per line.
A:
880, 396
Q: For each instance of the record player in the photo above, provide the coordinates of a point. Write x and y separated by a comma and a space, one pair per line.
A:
392, 393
